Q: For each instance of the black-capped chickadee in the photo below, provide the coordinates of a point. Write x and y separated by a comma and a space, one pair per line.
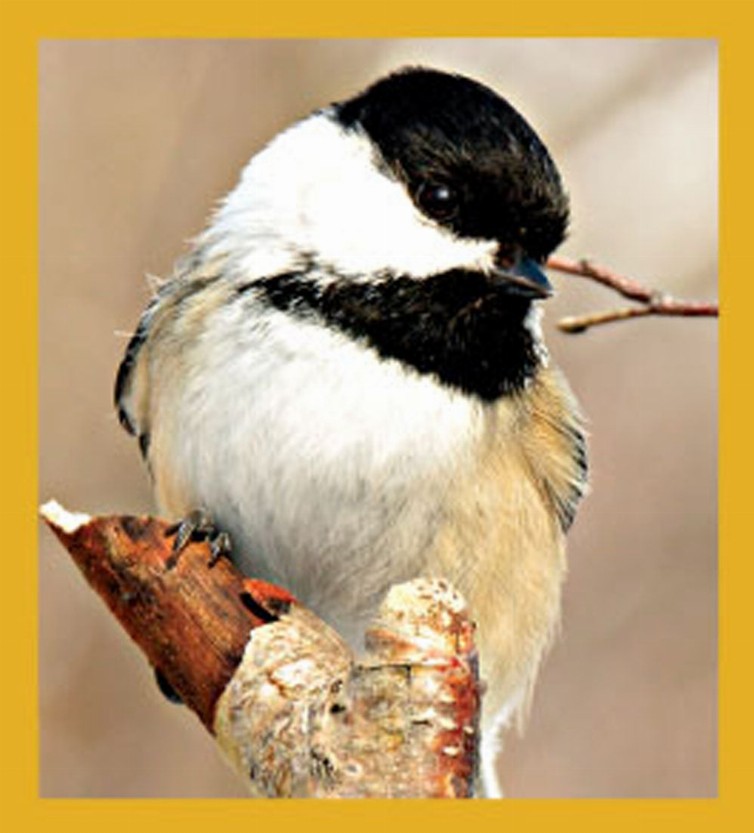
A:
347, 371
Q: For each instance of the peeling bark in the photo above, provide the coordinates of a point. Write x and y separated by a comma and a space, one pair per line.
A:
294, 711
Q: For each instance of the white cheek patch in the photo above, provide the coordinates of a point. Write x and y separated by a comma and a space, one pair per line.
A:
316, 190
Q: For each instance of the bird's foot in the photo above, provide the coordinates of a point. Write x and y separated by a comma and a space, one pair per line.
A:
199, 526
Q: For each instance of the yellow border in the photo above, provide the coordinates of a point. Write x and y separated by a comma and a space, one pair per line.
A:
23, 25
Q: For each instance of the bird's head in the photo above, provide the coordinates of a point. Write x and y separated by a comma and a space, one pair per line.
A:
415, 216
422, 173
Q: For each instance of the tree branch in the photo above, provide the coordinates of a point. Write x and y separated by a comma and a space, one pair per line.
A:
293, 711
653, 301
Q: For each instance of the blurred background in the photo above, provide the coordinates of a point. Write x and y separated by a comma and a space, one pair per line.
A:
138, 139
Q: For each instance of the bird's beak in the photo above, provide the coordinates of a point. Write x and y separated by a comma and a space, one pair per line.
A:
526, 277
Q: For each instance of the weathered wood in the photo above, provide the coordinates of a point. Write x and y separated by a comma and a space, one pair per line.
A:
295, 713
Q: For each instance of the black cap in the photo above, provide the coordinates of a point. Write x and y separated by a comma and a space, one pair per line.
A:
468, 158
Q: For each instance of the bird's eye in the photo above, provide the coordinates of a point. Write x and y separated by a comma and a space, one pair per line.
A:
436, 199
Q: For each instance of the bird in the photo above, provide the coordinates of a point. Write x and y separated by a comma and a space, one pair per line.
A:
345, 375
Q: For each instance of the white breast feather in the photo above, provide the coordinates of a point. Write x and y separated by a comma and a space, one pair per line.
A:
319, 458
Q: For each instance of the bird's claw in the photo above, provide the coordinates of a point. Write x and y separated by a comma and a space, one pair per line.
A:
199, 526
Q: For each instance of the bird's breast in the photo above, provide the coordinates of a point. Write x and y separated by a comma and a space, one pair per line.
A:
338, 472
331, 467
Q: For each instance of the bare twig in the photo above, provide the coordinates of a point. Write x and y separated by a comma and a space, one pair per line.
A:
653, 302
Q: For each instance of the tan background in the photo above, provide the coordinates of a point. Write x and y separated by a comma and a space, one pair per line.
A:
139, 138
